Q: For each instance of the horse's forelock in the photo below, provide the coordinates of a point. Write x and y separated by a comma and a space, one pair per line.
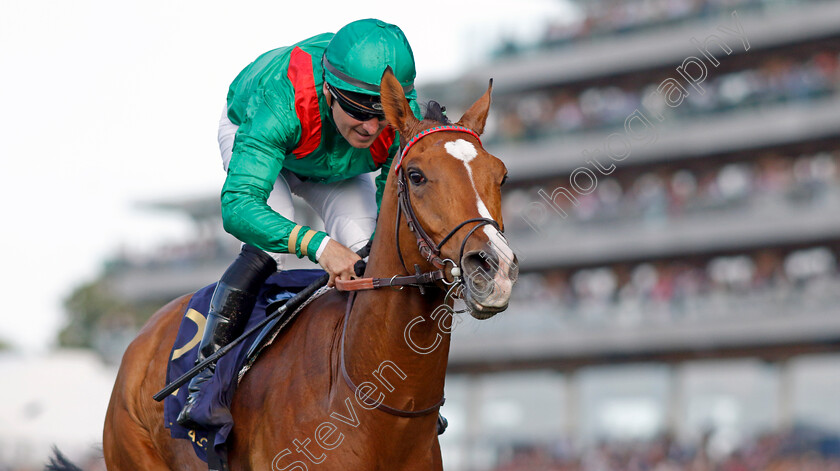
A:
435, 115
436, 112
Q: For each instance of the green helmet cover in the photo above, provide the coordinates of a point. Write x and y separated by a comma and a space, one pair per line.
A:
358, 54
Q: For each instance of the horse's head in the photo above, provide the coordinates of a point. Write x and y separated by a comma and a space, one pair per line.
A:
451, 187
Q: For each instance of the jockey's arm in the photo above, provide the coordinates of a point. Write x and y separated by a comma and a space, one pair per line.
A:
262, 142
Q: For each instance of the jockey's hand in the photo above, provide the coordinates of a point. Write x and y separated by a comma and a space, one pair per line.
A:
338, 261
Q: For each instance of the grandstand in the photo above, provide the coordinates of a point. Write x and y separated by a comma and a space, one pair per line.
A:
673, 197
678, 234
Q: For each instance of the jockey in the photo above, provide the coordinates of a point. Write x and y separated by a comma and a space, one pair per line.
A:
303, 119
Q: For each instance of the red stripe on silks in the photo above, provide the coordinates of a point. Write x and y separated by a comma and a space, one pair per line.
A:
379, 148
306, 102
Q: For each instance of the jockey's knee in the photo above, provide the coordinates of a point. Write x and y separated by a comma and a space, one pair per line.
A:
352, 233
250, 269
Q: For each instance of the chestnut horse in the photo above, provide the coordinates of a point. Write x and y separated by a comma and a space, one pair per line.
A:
299, 407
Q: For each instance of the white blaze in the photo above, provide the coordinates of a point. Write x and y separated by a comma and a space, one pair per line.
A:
465, 151
462, 150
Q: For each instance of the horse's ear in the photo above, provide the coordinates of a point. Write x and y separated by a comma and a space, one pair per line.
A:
394, 104
476, 116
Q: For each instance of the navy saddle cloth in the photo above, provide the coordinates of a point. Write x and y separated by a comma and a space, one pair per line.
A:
215, 398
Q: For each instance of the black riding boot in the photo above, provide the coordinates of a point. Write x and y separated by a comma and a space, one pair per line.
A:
230, 307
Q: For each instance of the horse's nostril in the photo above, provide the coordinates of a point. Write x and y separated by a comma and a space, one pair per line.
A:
482, 262
480, 269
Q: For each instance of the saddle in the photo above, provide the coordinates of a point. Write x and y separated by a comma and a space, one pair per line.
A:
216, 396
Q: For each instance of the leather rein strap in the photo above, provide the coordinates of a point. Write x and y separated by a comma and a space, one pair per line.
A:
359, 284
355, 389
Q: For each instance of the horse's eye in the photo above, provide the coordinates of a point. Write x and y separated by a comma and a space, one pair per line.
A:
504, 179
416, 177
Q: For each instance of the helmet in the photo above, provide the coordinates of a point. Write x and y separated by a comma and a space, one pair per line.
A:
358, 54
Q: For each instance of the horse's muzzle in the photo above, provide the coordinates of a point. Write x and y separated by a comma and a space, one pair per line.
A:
489, 277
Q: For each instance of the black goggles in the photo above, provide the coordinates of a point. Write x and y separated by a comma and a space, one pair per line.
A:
359, 108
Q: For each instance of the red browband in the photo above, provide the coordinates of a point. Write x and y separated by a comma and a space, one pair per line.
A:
443, 127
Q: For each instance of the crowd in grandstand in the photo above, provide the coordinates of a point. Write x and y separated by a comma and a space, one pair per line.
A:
610, 17
557, 111
774, 452
676, 290
667, 193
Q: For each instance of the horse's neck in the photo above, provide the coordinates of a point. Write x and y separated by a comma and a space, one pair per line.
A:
391, 329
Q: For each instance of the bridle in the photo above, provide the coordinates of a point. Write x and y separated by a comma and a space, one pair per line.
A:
429, 250
427, 247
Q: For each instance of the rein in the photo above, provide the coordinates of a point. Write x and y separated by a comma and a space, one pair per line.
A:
430, 251
355, 389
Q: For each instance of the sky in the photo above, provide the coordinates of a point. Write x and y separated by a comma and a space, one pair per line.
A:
109, 104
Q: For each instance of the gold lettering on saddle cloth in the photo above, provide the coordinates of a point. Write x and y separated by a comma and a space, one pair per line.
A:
200, 321
202, 442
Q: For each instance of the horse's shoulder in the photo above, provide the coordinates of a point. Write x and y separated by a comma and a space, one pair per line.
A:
311, 336
329, 307
317, 321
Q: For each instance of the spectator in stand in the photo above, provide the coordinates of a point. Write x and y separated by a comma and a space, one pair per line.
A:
670, 291
773, 452
655, 197
778, 79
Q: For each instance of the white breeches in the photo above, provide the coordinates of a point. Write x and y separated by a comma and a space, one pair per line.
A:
347, 207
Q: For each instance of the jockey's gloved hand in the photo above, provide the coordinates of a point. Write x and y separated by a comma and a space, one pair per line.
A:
359, 268
365, 251
338, 261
